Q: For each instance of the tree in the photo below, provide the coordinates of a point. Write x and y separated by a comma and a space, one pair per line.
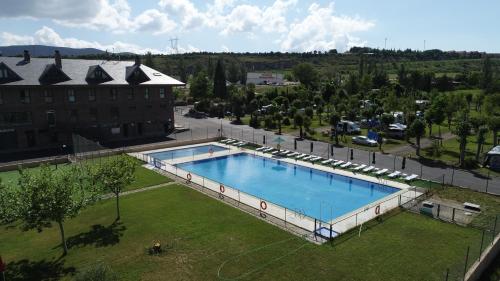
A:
233, 73
48, 195
278, 118
481, 138
307, 123
182, 71
114, 175
494, 126
418, 130
334, 121
199, 86
309, 111
487, 75
462, 130
319, 112
8, 203
243, 74
220, 88
386, 120
148, 60
238, 106
306, 74
298, 120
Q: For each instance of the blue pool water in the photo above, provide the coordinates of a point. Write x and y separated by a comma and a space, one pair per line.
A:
185, 152
318, 194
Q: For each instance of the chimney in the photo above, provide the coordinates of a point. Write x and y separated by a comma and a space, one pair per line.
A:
27, 56
57, 58
137, 60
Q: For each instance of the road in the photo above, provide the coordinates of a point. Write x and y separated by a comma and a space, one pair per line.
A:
201, 128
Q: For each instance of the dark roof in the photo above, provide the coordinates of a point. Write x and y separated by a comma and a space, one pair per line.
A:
77, 70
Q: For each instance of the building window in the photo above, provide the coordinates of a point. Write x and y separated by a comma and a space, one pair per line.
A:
25, 96
15, 118
115, 113
113, 94
146, 93
162, 93
71, 96
93, 114
92, 96
73, 116
1, 98
51, 118
48, 96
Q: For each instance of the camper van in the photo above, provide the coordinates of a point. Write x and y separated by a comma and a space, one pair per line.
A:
348, 127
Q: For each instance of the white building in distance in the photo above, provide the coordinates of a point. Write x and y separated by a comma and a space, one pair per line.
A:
265, 78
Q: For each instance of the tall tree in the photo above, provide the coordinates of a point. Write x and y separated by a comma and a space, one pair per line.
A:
480, 138
182, 71
46, 196
148, 60
306, 74
462, 130
238, 106
298, 120
199, 86
418, 130
334, 121
494, 125
278, 118
487, 75
114, 176
233, 72
220, 88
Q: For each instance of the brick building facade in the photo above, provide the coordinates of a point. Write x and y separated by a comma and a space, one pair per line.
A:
44, 101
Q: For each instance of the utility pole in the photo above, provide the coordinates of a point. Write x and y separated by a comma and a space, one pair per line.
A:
174, 45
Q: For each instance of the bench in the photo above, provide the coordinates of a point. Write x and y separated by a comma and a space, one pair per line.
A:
472, 207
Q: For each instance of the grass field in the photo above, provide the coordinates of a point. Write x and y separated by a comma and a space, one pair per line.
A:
143, 176
207, 240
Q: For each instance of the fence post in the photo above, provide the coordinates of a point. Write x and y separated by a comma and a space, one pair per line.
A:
487, 181
494, 230
466, 260
447, 274
439, 210
394, 163
481, 247
452, 175
453, 215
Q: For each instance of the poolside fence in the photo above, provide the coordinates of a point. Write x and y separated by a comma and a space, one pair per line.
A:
289, 216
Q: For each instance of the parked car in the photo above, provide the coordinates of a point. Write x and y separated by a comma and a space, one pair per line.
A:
364, 141
196, 114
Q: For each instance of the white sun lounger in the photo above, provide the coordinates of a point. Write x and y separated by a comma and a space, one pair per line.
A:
231, 141
261, 148
339, 162
301, 156
242, 144
238, 143
368, 169
381, 172
285, 152
328, 161
315, 159
268, 149
359, 167
410, 178
308, 158
394, 174
293, 154
346, 165
224, 140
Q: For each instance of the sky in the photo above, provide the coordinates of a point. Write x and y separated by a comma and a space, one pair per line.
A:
252, 26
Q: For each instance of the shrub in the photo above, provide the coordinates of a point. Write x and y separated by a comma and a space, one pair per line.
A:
286, 121
97, 272
254, 122
470, 163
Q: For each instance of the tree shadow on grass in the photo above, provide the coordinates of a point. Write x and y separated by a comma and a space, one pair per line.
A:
39, 270
99, 236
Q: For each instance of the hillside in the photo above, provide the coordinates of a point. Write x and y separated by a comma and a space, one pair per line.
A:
47, 51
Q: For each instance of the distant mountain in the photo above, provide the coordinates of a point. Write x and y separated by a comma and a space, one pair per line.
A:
47, 51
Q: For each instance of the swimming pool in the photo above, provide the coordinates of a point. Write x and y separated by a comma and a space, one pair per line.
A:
315, 193
186, 152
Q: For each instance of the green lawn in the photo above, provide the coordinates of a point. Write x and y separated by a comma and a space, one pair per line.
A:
203, 234
143, 177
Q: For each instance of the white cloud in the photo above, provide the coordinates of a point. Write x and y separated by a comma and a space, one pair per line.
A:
323, 30
48, 36
190, 16
53, 9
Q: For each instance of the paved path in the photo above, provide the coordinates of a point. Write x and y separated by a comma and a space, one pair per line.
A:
411, 148
200, 128
112, 195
